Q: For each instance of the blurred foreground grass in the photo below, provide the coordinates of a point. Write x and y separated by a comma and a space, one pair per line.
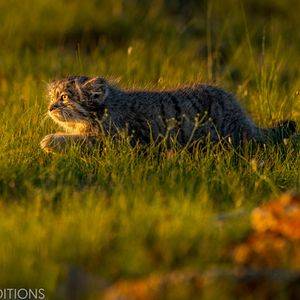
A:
122, 215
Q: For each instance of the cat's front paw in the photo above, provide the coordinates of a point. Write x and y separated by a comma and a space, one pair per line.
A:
47, 143
51, 143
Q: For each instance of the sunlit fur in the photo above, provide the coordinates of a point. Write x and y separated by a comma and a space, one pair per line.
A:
69, 114
186, 114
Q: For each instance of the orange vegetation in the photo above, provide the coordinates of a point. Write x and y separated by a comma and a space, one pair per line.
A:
270, 251
275, 241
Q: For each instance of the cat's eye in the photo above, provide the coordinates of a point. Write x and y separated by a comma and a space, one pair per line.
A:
64, 97
52, 98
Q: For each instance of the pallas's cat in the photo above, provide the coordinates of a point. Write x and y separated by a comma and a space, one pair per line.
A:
88, 108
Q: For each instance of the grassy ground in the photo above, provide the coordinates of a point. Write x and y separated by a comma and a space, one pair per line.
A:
121, 215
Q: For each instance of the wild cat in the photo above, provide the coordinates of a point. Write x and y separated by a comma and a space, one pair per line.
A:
88, 108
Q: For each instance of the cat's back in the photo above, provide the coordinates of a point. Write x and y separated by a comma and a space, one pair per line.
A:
178, 110
188, 100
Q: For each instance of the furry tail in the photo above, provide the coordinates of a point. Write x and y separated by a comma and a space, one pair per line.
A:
277, 133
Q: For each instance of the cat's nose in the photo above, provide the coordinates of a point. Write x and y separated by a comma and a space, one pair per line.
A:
52, 107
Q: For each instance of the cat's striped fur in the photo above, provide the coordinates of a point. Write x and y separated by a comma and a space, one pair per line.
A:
87, 107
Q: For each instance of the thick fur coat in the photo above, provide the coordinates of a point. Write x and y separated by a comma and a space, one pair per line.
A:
88, 108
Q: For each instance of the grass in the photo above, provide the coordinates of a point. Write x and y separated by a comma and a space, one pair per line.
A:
120, 214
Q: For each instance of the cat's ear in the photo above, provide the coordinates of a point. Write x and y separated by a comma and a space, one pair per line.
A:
97, 87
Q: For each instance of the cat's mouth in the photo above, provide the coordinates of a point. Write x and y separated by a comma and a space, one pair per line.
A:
70, 121
60, 115
64, 115
67, 117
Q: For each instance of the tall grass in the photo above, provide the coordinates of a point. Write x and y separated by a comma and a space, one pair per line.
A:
121, 214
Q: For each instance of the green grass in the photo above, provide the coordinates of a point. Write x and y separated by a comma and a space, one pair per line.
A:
120, 214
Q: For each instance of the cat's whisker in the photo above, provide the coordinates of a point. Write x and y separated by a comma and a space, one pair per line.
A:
44, 117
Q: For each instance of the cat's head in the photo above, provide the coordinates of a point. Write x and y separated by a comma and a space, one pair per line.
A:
74, 100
